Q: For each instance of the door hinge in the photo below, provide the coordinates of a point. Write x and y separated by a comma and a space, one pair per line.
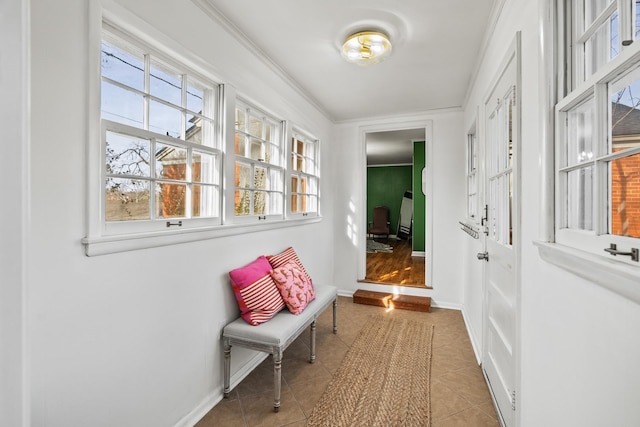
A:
513, 400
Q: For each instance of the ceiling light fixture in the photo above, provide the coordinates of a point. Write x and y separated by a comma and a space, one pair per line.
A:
366, 47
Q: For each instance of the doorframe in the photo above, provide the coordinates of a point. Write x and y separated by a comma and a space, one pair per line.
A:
427, 125
513, 53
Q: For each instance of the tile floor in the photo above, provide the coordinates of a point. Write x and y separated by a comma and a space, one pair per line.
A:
459, 395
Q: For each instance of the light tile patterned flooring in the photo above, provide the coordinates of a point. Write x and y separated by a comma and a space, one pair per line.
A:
459, 394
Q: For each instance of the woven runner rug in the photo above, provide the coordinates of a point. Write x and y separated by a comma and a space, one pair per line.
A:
383, 379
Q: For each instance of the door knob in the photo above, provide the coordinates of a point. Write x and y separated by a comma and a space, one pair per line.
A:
483, 255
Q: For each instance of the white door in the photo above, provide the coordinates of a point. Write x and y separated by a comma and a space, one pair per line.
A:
502, 239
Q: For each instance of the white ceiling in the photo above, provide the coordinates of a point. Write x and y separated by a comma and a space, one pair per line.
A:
436, 44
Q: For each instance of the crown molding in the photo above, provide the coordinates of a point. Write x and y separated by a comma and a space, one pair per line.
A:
214, 13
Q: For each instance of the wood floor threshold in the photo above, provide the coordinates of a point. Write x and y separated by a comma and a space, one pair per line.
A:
405, 285
384, 299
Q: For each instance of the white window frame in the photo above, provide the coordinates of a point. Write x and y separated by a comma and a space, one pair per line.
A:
210, 147
97, 241
311, 158
582, 251
275, 168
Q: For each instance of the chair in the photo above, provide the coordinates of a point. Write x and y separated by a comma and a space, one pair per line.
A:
380, 224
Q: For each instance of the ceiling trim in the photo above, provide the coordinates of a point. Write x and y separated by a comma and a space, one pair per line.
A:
215, 14
410, 115
491, 28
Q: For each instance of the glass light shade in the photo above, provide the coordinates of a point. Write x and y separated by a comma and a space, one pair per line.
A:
366, 48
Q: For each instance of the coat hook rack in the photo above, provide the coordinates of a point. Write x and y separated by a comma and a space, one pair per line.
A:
470, 230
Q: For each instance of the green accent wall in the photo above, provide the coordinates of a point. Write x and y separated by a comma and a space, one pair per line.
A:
386, 186
419, 216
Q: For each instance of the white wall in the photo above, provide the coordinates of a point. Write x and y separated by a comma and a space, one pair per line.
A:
14, 45
579, 344
447, 163
133, 339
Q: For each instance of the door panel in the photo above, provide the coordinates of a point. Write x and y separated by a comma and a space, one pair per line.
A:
500, 272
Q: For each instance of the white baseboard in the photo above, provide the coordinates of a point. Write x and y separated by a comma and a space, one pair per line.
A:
419, 253
472, 337
217, 395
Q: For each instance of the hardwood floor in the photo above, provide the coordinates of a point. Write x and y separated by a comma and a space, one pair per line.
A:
397, 268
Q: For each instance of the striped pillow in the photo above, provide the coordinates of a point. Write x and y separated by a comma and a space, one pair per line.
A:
262, 299
256, 292
284, 257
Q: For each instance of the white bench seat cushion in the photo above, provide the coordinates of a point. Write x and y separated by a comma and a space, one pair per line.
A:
284, 326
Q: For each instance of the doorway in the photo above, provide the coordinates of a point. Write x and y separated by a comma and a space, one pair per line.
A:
394, 178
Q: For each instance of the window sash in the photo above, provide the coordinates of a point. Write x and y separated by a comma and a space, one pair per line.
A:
303, 175
585, 156
258, 191
186, 184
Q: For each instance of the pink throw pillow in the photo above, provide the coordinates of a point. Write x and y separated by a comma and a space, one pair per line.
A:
296, 290
258, 297
284, 257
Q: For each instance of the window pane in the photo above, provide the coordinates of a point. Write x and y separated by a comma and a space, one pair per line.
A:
123, 67
260, 203
240, 146
127, 155
204, 199
165, 120
171, 200
203, 168
313, 186
240, 120
294, 203
126, 199
580, 133
171, 162
242, 202
276, 181
122, 106
194, 129
625, 117
257, 150
243, 175
297, 163
294, 184
273, 154
624, 196
579, 198
260, 180
195, 97
255, 126
275, 203
602, 46
166, 85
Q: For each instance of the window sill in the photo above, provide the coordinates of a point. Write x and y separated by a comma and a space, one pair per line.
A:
103, 245
621, 278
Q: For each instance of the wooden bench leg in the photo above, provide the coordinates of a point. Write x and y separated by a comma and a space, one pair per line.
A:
335, 310
227, 368
277, 377
312, 354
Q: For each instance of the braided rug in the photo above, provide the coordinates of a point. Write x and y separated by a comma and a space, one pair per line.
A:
383, 379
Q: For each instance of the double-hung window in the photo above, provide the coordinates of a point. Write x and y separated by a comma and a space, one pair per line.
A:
304, 175
259, 165
598, 129
160, 150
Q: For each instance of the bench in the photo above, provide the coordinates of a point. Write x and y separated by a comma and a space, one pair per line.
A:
274, 336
